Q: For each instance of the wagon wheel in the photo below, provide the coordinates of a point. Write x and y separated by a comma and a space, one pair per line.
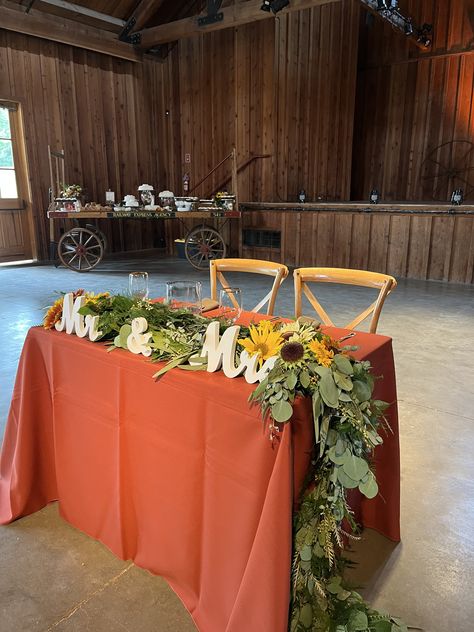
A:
100, 235
202, 244
447, 167
80, 249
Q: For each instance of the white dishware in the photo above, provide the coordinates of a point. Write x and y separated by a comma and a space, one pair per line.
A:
184, 295
130, 200
230, 304
138, 285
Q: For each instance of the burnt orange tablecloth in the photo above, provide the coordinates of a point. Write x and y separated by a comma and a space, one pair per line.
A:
178, 475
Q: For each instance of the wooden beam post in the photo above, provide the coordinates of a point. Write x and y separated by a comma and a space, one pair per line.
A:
143, 12
65, 31
234, 15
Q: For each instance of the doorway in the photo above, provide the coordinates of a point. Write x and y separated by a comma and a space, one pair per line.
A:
16, 225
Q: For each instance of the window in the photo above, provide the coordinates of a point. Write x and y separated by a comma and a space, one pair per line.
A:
8, 184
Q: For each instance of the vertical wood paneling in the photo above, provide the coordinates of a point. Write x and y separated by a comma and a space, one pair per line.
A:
414, 246
411, 106
99, 110
281, 87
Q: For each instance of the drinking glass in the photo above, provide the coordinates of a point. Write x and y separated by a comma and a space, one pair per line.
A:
230, 303
184, 295
138, 285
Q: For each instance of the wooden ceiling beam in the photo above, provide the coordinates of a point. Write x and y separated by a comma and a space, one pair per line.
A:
234, 15
80, 10
65, 31
143, 12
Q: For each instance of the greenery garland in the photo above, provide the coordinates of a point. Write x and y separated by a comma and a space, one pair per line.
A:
347, 423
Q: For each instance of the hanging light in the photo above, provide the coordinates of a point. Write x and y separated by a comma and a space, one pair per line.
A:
274, 5
278, 5
457, 197
374, 196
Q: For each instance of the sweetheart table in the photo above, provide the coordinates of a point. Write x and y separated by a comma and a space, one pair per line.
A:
177, 475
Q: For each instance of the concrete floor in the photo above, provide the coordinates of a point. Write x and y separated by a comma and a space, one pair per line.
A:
52, 577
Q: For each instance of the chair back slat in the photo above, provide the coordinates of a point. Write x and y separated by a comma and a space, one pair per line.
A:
253, 266
384, 283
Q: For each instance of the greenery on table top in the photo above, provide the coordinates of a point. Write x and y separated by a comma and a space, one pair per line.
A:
347, 423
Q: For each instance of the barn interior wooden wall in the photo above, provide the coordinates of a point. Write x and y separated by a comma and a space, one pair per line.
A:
284, 88
339, 106
411, 106
101, 110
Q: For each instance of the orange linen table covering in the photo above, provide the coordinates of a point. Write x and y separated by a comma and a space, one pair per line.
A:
178, 475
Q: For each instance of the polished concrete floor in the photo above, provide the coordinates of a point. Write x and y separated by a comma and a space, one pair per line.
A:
52, 577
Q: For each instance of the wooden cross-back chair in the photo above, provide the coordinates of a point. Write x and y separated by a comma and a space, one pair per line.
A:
253, 266
382, 282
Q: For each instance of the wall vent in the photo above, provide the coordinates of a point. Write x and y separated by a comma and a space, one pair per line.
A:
256, 238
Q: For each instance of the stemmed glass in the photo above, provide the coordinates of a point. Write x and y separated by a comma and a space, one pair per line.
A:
184, 295
138, 285
230, 303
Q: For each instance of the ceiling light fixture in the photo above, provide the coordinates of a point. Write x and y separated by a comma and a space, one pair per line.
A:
389, 10
278, 5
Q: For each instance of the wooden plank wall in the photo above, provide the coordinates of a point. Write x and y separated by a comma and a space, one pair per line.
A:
411, 102
418, 247
106, 114
283, 87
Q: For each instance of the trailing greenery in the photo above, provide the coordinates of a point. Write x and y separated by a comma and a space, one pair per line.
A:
304, 362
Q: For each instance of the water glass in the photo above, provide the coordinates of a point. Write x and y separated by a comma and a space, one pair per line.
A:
138, 285
230, 303
184, 295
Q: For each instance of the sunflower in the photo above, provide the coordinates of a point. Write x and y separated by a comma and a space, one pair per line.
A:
293, 354
95, 298
264, 341
323, 354
297, 332
54, 313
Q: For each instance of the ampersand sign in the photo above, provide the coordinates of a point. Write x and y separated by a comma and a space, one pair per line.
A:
137, 340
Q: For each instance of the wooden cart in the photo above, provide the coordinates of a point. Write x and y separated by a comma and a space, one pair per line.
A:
82, 247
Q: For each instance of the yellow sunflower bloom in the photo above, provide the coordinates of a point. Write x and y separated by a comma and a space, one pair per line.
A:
54, 313
323, 355
264, 341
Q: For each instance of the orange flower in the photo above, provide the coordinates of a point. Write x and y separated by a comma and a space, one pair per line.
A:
323, 355
54, 313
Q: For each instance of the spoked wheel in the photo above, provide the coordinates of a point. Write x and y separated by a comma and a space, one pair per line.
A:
99, 234
80, 249
203, 244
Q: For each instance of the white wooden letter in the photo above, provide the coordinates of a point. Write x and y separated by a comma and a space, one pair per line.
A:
70, 319
220, 352
73, 322
137, 340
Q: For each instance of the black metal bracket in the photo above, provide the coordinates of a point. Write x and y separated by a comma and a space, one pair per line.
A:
211, 19
125, 34
213, 15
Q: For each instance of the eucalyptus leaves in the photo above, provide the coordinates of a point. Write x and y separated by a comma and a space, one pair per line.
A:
346, 426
